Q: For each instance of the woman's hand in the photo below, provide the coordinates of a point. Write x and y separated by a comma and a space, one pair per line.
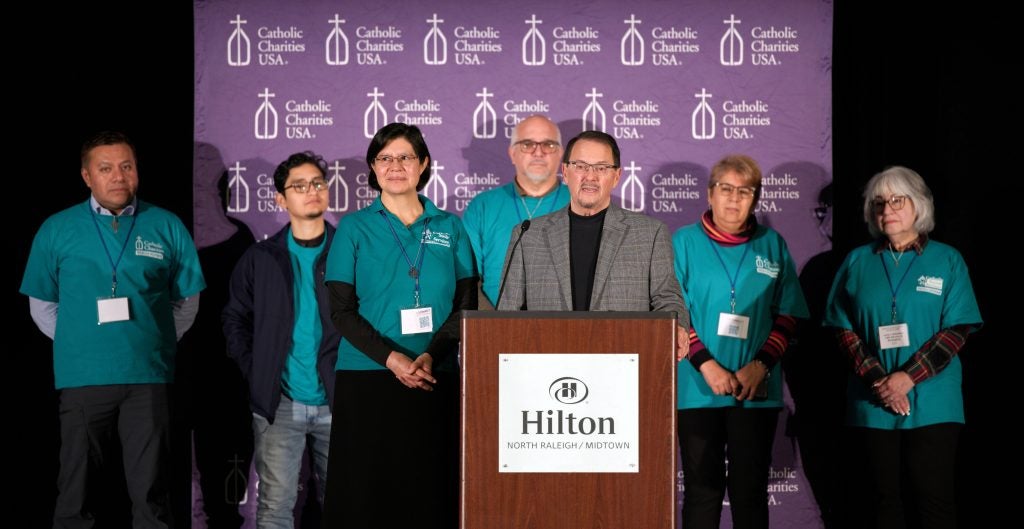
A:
750, 377
412, 373
719, 379
892, 391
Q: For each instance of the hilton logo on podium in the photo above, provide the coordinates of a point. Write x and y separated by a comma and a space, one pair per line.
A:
568, 390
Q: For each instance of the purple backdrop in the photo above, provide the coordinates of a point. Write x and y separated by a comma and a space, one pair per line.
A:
678, 83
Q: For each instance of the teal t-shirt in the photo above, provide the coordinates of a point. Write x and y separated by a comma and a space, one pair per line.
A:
934, 293
300, 380
365, 254
489, 220
766, 286
69, 266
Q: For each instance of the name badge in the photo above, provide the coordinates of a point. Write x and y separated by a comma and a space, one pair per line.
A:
733, 325
896, 335
112, 309
417, 320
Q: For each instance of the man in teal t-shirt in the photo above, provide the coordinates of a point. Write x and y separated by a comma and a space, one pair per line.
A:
535, 150
278, 327
115, 282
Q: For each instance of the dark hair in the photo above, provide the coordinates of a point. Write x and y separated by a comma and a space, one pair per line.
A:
106, 137
599, 137
293, 161
386, 135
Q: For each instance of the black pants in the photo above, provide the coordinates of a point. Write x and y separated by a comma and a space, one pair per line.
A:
709, 436
912, 474
92, 418
393, 458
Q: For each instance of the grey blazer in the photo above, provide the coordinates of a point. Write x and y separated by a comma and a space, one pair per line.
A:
634, 267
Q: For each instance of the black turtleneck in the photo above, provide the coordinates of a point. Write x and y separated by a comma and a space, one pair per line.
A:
584, 243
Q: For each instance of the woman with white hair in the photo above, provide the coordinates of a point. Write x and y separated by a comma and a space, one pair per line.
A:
902, 307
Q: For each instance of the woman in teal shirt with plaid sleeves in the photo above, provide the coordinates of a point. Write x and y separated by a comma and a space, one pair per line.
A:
740, 284
902, 307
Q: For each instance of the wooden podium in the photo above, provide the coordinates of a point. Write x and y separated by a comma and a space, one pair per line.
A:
642, 499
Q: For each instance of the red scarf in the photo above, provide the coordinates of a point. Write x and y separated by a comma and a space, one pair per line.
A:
727, 239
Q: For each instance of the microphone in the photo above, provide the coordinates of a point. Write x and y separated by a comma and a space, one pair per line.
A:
508, 266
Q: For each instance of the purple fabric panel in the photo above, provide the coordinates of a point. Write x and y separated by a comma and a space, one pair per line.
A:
679, 84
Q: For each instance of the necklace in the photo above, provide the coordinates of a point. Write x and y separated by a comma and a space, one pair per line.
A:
896, 258
529, 214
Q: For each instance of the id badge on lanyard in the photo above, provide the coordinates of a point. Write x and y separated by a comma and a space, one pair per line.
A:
113, 308
729, 323
109, 310
895, 335
416, 319
733, 325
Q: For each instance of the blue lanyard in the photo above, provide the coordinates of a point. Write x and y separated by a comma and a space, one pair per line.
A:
887, 278
554, 202
416, 269
735, 276
113, 263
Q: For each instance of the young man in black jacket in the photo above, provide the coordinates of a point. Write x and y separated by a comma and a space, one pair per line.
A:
278, 328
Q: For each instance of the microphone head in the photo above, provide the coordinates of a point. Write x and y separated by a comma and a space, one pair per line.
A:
525, 226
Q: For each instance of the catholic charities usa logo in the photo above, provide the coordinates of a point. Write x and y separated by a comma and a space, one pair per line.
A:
148, 248
931, 285
438, 238
766, 267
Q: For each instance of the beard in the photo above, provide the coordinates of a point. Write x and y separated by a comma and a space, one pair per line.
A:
537, 176
589, 202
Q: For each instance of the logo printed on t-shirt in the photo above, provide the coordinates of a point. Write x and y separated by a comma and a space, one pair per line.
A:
437, 237
766, 267
931, 285
148, 248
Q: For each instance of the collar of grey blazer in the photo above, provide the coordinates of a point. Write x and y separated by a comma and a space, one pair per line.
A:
554, 229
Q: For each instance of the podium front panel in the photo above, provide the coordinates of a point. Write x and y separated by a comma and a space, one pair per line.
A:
561, 416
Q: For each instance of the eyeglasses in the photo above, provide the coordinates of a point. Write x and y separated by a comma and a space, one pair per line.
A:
896, 202
546, 147
405, 159
743, 192
303, 187
600, 169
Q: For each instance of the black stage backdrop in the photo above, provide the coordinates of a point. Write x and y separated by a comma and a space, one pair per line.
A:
914, 84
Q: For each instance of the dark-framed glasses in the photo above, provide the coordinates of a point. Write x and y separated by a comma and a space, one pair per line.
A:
743, 192
303, 187
404, 159
581, 167
546, 147
896, 202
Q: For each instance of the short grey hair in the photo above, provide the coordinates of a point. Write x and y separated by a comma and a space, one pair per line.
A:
900, 180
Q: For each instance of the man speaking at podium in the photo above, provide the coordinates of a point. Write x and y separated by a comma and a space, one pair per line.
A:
593, 255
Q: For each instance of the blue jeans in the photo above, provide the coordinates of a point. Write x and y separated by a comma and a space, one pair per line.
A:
279, 450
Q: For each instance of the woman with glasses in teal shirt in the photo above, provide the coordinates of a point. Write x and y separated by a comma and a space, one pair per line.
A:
902, 307
741, 287
400, 271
